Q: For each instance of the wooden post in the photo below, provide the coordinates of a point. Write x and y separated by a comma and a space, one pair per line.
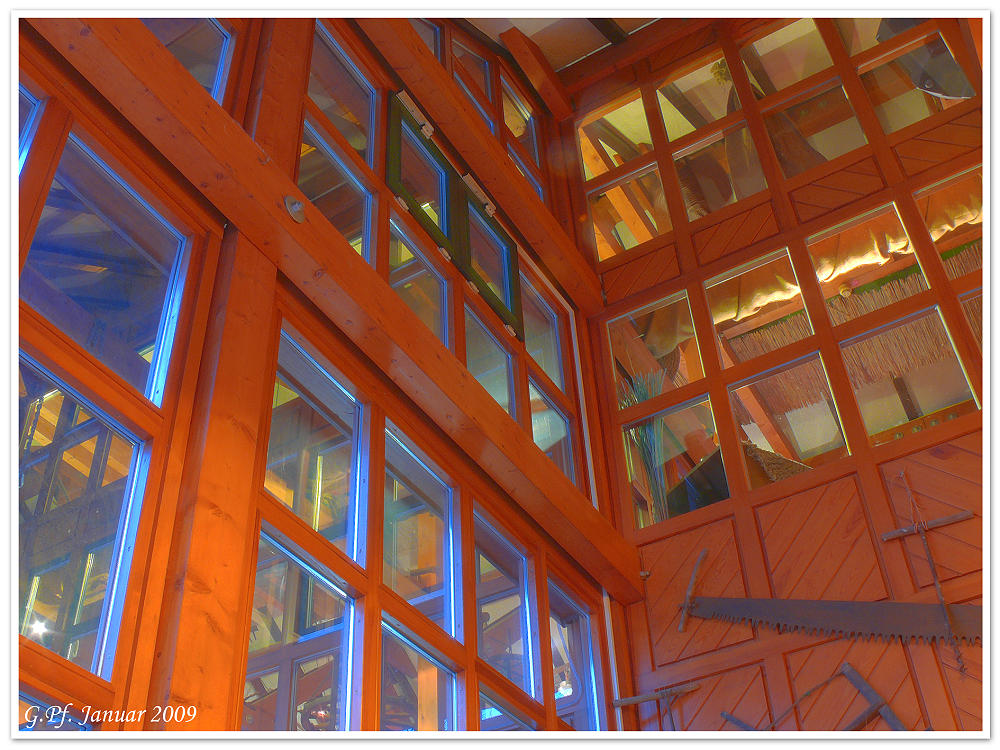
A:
201, 649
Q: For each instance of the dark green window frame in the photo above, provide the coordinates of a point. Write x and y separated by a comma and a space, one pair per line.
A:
460, 205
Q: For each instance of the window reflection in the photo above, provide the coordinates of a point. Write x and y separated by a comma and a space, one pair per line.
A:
418, 694
610, 138
814, 131
786, 56
674, 463
341, 93
429, 33
865, 264
493, 717
697, 99
105, 269
757, 308
860, 34
202, 45
490, 255
417, 539
473, 64
421, 176
541, 332
338, 195
520, 119
916, 84
654, 350
551, 431
73, 480
718, 171
788, 421
418, 283
297, 673
502, 607
906, 377
953, 213
572, 661
628, 214
311, 450
488, 362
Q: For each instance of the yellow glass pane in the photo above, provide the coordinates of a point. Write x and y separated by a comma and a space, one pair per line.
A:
628, 214
612, 137
953, 213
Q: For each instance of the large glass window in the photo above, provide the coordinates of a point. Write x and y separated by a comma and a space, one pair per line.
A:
906, 377
417, 539
338, 195
788, 421
756, 308
418, 693
80, 481
505, 641
786, 56
865, 264
422, 176
490, 256
341, 92
718, 171
493, 717
298, 668
628, 213
107, 270
953, 213
551, 431
202, 45
814, 131
572, 661
697, 98
488, 362
654, 350
541, 332
916, 84
613, 136
415, 280
674, 463
312, 451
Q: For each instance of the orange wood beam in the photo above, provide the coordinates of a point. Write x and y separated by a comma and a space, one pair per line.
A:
441, 99
536, 67
158, 96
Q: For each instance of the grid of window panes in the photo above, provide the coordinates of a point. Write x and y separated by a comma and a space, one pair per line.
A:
328, 441
898, 282
102, 282
809, 118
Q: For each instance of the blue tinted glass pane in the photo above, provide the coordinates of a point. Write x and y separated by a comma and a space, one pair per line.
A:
417, 693
475, 102
429, 33
74, 489
417, 538
422, 177
312, 447
419, 285
490, 256
488, 362
495, 718
550, 430
572, 661
26, 106
541, 332
201, 45
299, 634
502, 607
104, 268
37, 715
476, 66
338, 90
334, 191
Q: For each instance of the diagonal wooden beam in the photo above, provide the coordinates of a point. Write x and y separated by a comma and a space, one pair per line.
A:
146, 83
543, 78
609, 29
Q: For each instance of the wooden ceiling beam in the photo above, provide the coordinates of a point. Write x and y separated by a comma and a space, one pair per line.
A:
543, 78
146, 83
609, 30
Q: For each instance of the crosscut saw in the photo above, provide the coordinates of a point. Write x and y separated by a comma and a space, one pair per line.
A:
885, 620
